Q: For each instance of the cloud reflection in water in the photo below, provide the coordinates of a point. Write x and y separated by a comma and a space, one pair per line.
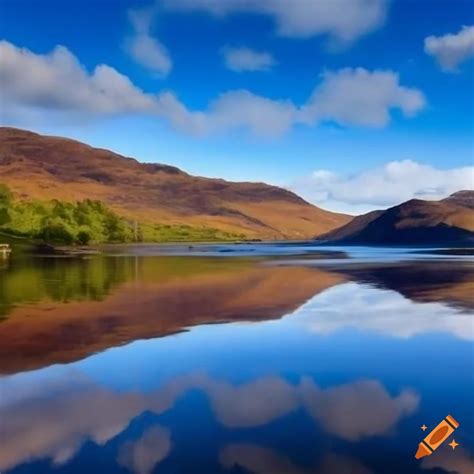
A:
260, 460
363, 307
142, 455
58, 416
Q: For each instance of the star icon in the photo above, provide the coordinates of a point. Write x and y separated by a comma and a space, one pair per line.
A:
424, 427
453, 444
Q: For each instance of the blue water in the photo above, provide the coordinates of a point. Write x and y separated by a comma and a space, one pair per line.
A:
342, 383
278, 249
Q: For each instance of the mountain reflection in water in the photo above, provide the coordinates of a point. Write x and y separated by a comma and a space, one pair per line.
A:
152, 297
342, 364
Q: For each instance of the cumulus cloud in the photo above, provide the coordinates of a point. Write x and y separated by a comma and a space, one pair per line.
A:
243, 109
360, 97
384, 186
142, 455
238, 109
382, 311
343, 20
56, 83
304, 19
347, 97
452, 49
143, 47
246, 59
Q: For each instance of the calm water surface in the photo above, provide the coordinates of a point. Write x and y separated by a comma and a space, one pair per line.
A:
265, 359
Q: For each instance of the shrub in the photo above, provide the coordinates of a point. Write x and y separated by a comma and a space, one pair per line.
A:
83, 237
56, 231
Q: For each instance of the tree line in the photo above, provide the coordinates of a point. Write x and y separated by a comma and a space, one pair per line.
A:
56, 221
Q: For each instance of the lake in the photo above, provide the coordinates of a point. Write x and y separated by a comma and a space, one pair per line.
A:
255, 358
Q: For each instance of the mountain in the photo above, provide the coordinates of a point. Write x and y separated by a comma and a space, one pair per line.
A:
44, 167
415, 222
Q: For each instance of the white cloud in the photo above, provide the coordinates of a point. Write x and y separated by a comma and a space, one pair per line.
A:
245, 59
361, 97
452, 49
304, 19
242, 108
57, 84
353, 305
348, 97
391, 184
239, 109
145, 49
150, 53
344, 20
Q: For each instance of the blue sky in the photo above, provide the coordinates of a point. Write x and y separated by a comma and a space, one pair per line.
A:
354, 104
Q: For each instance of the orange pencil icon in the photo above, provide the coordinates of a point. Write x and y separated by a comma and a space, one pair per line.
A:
436, 437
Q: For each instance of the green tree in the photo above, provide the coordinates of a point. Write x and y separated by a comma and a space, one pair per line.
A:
54, 230
5, 196
4, 216
83, 237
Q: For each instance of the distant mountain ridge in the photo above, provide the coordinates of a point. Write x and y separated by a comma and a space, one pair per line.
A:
44, 167
449, 221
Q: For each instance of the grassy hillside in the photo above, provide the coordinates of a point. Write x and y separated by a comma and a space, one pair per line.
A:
84, 222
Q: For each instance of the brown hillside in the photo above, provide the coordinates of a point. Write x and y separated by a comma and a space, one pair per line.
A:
461, 198
44, 167
446, 222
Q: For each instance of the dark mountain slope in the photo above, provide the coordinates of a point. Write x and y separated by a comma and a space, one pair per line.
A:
415, 222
